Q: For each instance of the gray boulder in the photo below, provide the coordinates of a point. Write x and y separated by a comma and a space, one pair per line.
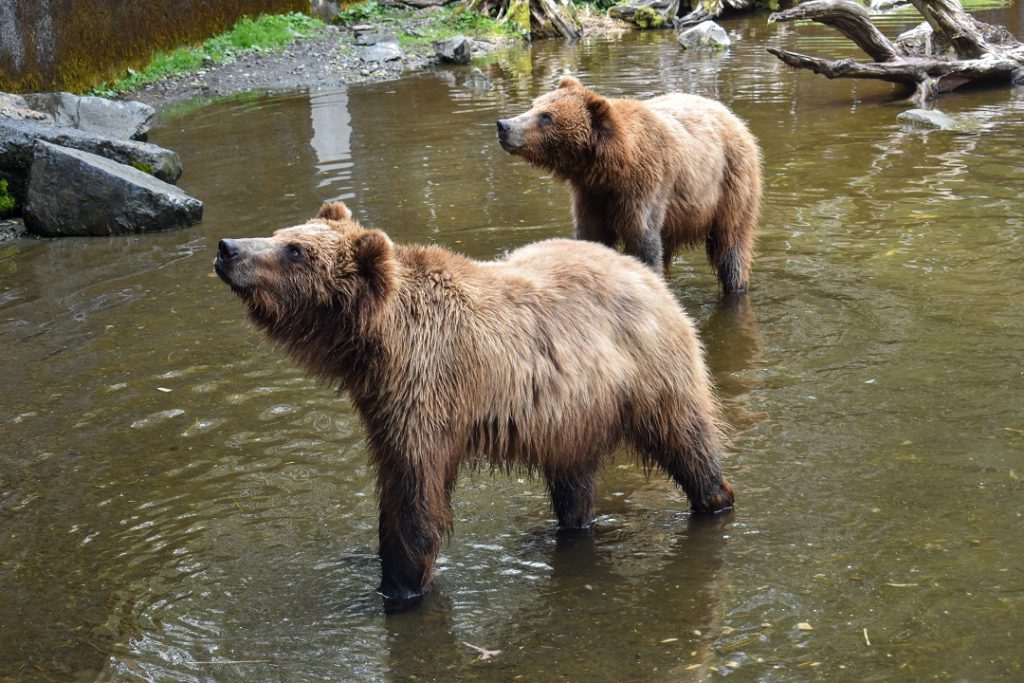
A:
122, 120
17, 147
15, 107
384, 51
455, 50
77, 193
375, 38
933, 119
706, 36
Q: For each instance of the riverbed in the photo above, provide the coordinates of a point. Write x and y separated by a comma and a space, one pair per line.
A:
177, 502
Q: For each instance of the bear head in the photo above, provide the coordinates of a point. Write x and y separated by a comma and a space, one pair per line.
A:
328, 271
563, 130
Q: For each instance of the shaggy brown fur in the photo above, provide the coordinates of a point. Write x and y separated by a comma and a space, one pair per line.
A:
543, 361
673, 171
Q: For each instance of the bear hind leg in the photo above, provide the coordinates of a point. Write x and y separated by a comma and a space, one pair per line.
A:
689, 454
572, 497
731, 262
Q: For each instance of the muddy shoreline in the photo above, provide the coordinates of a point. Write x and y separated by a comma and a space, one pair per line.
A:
328, 60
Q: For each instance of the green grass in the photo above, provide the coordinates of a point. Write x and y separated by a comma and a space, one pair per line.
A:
267, 32
448, 22
6, 200
437, 24
363, 12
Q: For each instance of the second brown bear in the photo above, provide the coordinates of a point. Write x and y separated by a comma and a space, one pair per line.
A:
672, 171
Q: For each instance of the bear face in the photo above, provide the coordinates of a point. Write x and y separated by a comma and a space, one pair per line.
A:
290, 279
562, 129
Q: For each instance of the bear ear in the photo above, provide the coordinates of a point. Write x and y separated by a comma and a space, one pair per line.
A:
334, 211
373, 255
371, 250
599, 108
569, 82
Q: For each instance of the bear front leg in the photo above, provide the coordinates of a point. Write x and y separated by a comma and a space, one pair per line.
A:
590, 218
572, 497
415, 511
641, 236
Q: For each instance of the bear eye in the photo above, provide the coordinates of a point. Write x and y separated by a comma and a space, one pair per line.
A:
294, 252
545, 118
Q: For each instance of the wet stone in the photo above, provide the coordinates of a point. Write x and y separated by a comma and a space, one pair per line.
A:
705, 36
455, 50
71, 192
17, 147
933, 119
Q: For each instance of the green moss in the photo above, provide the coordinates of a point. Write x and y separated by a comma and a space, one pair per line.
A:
647, 17
6, 200
143, 166
267, 32
519, 15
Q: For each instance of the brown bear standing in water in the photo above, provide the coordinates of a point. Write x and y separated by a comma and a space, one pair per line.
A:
672, 171
542, 361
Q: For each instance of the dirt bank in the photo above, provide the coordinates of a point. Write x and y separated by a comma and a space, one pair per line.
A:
329, 59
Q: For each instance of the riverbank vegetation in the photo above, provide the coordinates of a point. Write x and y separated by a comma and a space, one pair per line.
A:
267, 32
420, 28
6, 200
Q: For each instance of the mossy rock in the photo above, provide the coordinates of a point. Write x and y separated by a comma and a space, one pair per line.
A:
647, 17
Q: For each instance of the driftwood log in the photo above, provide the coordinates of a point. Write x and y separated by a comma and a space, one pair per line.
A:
709, 9
669, 13
951, 49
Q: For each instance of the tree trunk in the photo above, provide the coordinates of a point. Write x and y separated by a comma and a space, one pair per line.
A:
537, 18
983, 53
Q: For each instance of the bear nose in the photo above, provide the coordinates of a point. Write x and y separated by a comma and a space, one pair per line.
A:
503, 125
227, 250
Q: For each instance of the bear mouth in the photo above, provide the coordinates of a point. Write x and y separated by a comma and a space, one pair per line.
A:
223, 270
505, 131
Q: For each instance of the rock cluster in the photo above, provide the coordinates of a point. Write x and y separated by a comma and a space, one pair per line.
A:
79, 166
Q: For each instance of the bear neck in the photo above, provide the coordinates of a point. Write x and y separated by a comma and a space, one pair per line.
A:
609, 161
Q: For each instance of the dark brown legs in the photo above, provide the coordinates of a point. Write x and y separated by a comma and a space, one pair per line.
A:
572, 497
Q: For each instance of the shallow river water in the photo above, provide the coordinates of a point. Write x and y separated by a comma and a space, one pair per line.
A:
177, 502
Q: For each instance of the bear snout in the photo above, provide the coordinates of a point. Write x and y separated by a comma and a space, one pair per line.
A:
506, 135
228, 255
227, 250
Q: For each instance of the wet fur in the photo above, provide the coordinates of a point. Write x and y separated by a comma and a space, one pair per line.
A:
544, 361
656, 175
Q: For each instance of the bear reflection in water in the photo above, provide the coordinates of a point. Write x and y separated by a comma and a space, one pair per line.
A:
543, 361
656, 175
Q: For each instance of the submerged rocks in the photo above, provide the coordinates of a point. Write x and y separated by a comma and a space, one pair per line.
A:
71, 192
933, 119
706, 36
